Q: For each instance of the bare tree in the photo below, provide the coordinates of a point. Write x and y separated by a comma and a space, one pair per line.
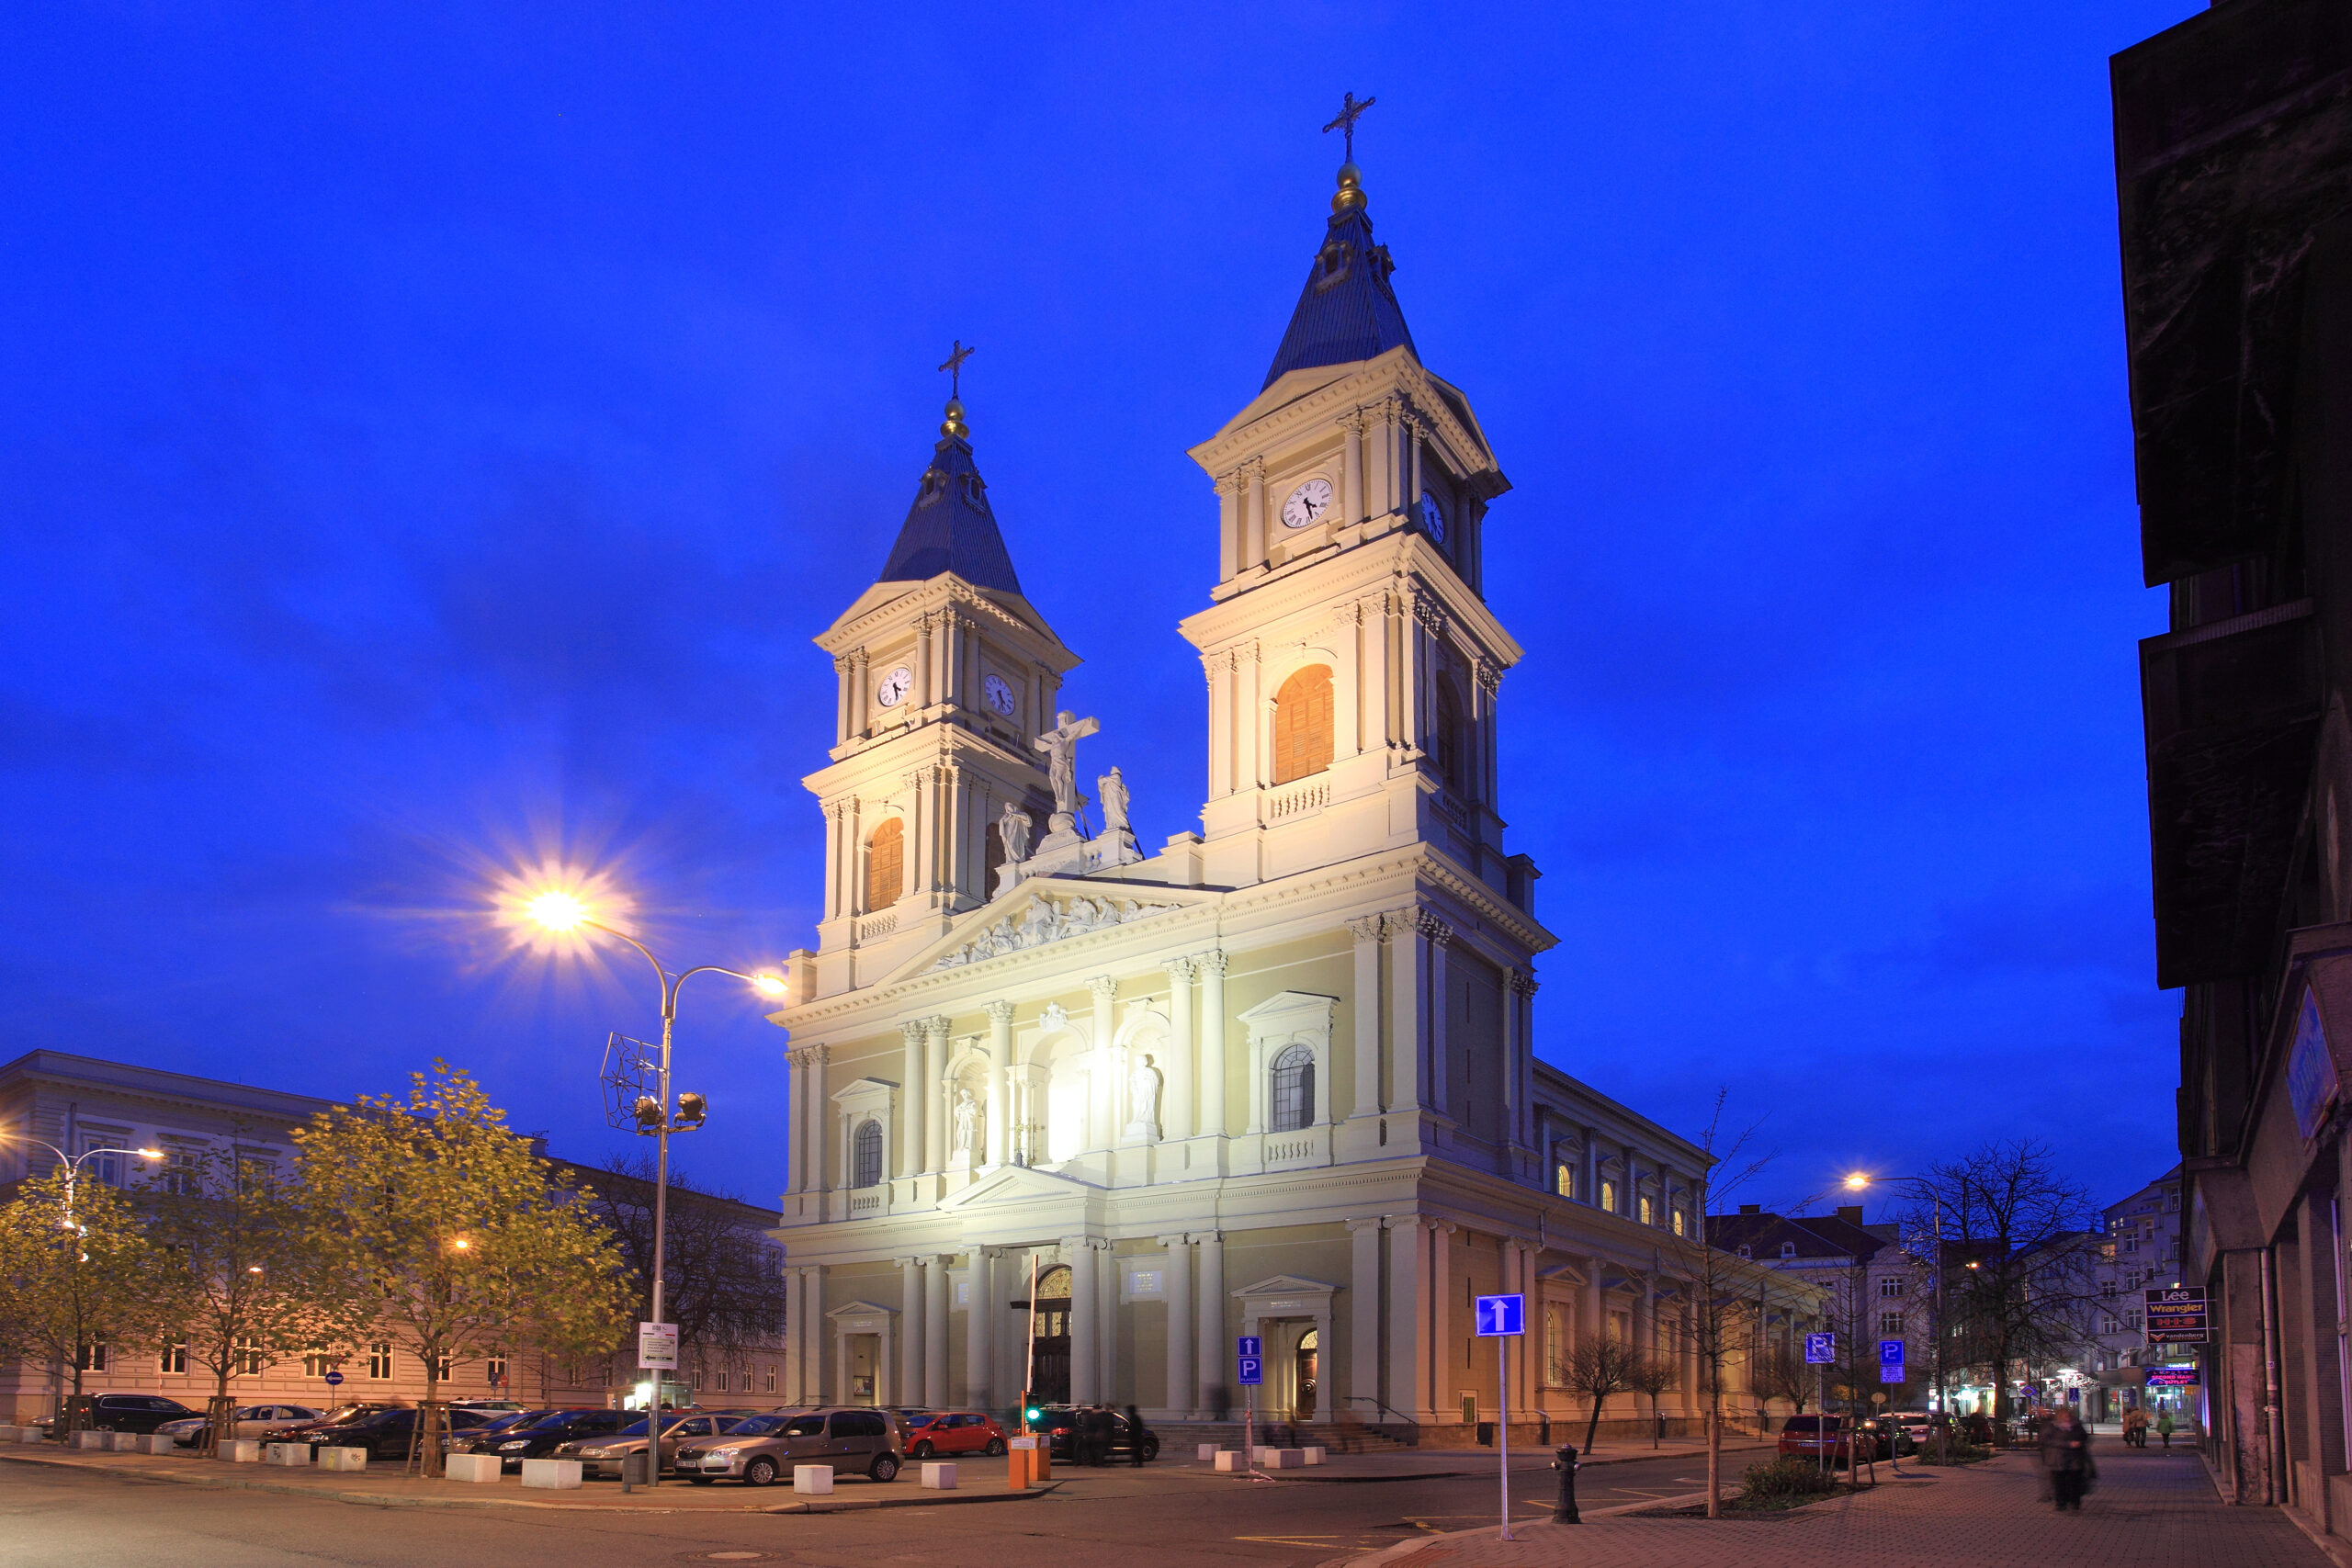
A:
1654, 1375
1600, 1365
720, 1276
1777, 1374
2018, 1241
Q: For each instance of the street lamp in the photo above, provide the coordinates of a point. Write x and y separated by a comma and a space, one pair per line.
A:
563, 912
1855, 1183
72, 1163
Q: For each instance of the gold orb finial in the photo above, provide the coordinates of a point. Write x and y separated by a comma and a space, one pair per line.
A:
1350, 196
953, 426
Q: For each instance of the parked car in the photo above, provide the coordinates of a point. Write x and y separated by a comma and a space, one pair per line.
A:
129, 1413
488, 1406
605, 1455
478, 1439
384, 1434
1059, 1422
1814, 1436
854, 1441
253, 1421
931, 1433
541, 1438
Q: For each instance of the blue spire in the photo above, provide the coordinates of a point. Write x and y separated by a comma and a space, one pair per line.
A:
950, 527
1347, 312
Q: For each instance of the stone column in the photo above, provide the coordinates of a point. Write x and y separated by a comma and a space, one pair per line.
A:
977, 1315
1209, 1325
1253, 518
1594, 1309
1446, 1368
1083, 1304
934, 1331
1365, 1002
1228, 489
1000, 1082
1102, 1087
817, 1173
813, 1334
911, 1302
1352, 496
1212, 971
1180, 1395
1515, 1079
1440, 1069
913, 1101
933, 1091
1363, 1323
1408, 1324
1407, 983
795, 1178
1184, 1055
1106, 1323
922, 692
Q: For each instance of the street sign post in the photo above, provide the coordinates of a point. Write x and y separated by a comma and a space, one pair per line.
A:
657, 1346
1502, 1319
1890, 1362
1250, 1372
2176, 1316
334, 1380
1820, 1349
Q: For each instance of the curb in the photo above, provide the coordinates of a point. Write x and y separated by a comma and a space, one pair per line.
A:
1582, 1464
397, 1500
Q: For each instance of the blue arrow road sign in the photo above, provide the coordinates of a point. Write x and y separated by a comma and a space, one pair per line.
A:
1253, 1371
1499, 1315
1248, 1345
1820, 1349
334, 1380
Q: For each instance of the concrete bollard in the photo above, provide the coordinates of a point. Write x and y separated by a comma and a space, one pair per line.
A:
1315, 1455
154, 1443
7, 1434
1232, 1460
1205, 1453
32, 1434
938, 1477
295, 1455
554, 1474
813, 1480
478, 1467
343, 1459
100, 1441
241, 1450
1289, 1458
123, 1442
1020, 1463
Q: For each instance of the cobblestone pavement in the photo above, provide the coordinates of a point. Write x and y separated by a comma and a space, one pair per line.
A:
2149, 1510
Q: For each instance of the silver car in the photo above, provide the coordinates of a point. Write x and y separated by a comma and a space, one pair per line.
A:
605, 1455
253, 1421
855, 1441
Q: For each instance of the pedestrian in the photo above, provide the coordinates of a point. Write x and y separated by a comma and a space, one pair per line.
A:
2164, 1425
2066, 1458
1135, 1437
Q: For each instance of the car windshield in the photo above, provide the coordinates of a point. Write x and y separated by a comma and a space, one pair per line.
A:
785, 1425
516, 1419
544, 1418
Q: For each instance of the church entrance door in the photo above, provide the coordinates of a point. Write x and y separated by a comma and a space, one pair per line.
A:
1302, 1399
1051, 1349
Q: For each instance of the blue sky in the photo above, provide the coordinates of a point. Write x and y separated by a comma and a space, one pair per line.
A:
428, 441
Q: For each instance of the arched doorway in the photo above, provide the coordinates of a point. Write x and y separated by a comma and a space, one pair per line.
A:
1304, 1384
1050, 1379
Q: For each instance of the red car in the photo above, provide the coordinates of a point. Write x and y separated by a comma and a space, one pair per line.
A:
1811, 1436
934, 1434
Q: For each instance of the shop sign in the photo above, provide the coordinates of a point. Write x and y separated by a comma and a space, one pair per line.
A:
2176, 1316
2172, 1377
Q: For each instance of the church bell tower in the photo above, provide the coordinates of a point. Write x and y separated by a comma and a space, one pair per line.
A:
945, 671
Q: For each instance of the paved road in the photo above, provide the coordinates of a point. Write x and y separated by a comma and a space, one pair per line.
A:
1167, 1514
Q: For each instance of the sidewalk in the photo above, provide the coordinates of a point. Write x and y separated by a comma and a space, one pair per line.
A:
1427, 1464
979, 1483
2150, 1510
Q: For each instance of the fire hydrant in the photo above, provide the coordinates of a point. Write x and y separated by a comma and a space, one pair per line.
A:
1564, 1512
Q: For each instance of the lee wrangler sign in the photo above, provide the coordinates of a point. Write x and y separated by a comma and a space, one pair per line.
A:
2176, 1316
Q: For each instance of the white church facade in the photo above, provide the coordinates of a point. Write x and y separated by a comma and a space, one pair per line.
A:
1275, 1078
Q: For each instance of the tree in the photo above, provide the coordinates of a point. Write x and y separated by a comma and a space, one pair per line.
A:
2023, 1290
1654, 1375
1779, 1374
239, 1270
1599, 1366
721, 1281
448, 1238
77, 1274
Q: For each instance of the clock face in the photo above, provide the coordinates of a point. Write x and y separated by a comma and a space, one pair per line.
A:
1432, 517
1308, 503
894, 687
998, 695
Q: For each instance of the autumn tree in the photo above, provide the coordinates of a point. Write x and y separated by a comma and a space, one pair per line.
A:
77, 1275
243, 1277
449, 1238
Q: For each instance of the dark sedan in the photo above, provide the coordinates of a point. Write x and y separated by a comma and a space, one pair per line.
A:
551, 1431
1061, 1424
131, 1412
384, 1434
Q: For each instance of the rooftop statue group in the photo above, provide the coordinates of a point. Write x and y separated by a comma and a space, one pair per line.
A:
1067, 846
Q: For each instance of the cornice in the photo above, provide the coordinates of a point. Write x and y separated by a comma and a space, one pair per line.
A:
946, 593
1401, 563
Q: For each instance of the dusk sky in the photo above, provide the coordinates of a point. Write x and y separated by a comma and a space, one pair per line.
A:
432, 437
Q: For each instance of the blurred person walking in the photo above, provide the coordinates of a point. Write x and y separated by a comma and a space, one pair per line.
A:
2066, 1458
2165, 1425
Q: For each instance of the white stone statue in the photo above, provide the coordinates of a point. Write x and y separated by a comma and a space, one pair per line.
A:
1114, 790
1060, 746
967, 1122
1143, 1094
1012, 830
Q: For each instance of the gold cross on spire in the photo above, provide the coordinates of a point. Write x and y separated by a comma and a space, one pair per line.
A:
1349, 110
953, 366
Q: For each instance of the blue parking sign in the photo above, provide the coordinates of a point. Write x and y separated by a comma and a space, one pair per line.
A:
1499, 1315
1820, 1349
1252, 1371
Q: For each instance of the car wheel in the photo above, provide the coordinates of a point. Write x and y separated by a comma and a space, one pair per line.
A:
885, 1467
921, 1451
1151, 1450
759, 1473
996, 1448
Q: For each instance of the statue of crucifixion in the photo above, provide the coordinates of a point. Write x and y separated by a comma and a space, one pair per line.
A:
1060, 746
1350, 112
954, 368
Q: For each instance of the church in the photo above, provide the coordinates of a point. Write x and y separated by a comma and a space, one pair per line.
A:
1069, 1117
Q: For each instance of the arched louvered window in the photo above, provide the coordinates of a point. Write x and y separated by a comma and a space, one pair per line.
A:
1303, 724
865, 1154
1447, 742
886, 863
1294, 1086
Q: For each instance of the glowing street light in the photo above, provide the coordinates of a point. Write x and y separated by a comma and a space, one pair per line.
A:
561, 911
1855, 1182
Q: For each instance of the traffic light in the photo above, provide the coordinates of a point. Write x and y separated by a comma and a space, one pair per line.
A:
1033, 1409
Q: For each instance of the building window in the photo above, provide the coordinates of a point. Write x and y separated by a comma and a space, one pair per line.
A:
1788, 1250
865, 1154
1890, 1287
2107, 1287
1445, 736
1889, 1323
1681, 1224
1641, 1206
246, 1360
317, 1363
379, 1361
722, 1381
1555, 1344
886, 861
1303, 724
174, 1359
2131, 1320
180, 1178
1744, 1252
1564, 1180
1293, 1105
771, 1374
1608, 1196
91, 1357
443, 1367
496, 1370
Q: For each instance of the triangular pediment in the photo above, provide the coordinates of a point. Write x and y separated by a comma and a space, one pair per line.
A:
1015, 1184
1286, 1285
861, 1309
1041, 912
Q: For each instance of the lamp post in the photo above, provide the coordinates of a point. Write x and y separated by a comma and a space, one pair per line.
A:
563, 912
1855, 1183
73, 1165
